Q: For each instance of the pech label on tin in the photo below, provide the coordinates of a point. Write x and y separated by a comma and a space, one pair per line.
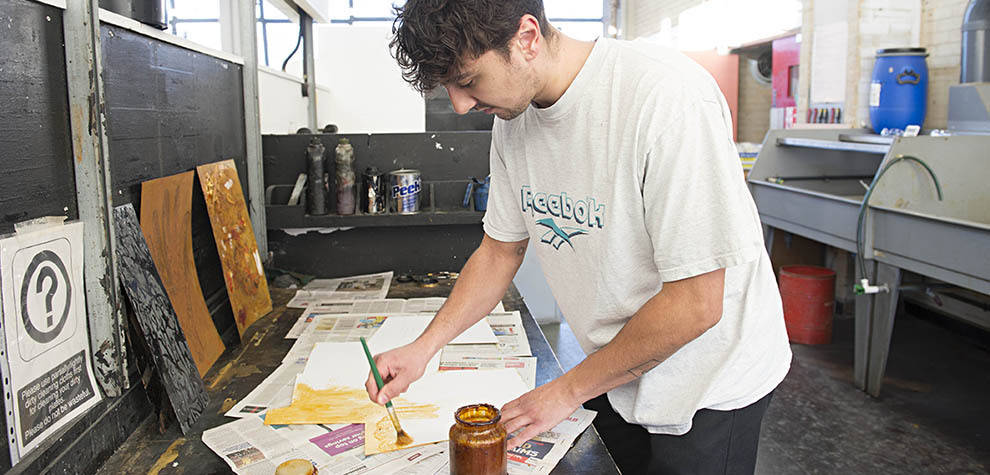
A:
407, 190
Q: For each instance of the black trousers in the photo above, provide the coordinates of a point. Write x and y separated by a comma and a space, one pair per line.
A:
719, 442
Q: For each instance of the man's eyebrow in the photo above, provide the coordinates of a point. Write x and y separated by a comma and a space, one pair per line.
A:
461, 76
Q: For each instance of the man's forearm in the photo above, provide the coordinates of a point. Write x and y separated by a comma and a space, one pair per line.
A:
480, 286
681, 312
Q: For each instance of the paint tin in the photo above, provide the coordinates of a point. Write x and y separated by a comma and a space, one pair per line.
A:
372, 191
404, 190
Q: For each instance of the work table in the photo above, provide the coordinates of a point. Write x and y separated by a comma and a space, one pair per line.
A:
262, 347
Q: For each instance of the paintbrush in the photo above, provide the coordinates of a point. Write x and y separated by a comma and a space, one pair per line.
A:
401, 437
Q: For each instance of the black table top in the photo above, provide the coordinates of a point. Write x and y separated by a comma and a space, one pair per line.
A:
158, 444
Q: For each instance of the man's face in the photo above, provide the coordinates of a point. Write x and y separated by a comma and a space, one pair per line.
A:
493, 84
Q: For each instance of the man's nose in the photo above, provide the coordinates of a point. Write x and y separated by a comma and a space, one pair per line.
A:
460, 99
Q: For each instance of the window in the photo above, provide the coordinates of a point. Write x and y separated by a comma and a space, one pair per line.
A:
278, 36
581, 19
199, 21
195, 20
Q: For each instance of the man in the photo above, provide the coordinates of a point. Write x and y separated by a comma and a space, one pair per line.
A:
617, 158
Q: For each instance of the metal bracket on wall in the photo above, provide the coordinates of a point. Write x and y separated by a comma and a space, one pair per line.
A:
247, 19
309, 70
92, 170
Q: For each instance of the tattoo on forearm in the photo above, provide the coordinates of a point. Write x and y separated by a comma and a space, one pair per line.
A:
643, 368
520, 250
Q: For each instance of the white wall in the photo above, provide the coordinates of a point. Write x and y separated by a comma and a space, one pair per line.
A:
534, 289
366, 90
282, 106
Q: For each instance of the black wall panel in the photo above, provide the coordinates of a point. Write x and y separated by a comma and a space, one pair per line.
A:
36, 172
407, 249
170, 109
445, 158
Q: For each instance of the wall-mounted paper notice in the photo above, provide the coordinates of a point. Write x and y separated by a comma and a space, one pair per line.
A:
47, 371
828, 62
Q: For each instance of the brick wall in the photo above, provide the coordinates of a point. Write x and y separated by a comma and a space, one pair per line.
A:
940, 33
876, 24
754, 106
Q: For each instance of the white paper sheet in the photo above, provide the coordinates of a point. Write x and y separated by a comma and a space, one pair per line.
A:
450, 390
274, 391
828, 62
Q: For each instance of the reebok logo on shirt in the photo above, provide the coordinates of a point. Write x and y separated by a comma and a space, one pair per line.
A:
585, 213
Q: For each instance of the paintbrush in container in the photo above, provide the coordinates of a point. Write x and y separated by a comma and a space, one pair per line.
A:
401, 437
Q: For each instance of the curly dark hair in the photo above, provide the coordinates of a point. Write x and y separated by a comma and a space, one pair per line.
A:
431, 37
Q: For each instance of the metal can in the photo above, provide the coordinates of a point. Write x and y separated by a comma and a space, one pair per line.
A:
404, 186
372, 192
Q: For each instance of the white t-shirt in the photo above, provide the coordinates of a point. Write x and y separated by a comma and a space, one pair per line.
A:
629, 180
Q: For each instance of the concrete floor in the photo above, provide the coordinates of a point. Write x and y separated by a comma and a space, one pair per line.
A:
933, 415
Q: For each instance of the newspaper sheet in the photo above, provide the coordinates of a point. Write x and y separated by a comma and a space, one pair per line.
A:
338, 328
524, 365
511, 335
433, 304
358, 287
250, 447
343, 307
274, 391
541, 454
511, 338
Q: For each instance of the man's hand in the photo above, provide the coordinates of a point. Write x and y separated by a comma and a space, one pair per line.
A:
399, 368
537, 411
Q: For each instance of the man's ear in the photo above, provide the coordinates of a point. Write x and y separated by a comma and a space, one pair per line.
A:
529, 38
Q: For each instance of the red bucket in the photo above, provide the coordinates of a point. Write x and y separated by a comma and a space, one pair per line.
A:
808, 293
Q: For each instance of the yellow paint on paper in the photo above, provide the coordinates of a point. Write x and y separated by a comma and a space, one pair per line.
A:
379, 436
340, 405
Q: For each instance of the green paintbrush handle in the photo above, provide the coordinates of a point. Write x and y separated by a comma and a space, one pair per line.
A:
374, 368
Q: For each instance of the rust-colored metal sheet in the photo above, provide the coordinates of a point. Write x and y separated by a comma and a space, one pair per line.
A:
242, 270
166, 224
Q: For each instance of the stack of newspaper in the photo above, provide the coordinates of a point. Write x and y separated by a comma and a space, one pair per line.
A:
343, 310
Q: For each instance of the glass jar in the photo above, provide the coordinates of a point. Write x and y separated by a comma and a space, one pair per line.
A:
477, 441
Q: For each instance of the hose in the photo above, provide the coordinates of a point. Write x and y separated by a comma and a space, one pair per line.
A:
860, 223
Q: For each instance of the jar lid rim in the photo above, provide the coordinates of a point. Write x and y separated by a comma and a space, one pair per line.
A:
494, 420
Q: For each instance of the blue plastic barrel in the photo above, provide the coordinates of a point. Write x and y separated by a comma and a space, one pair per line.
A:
899, 90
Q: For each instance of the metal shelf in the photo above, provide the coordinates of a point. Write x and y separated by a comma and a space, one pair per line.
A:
286, 217
819, 144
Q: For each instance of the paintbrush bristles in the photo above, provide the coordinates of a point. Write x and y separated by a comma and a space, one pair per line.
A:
401, 438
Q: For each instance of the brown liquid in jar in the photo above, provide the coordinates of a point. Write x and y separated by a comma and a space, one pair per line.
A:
477, 441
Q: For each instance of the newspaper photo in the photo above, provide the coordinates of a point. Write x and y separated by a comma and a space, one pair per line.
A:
524, 365
343, 307
508, 328
359, 287
274, 391
541, 454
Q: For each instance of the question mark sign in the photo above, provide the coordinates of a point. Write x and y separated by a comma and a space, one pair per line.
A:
47, 273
